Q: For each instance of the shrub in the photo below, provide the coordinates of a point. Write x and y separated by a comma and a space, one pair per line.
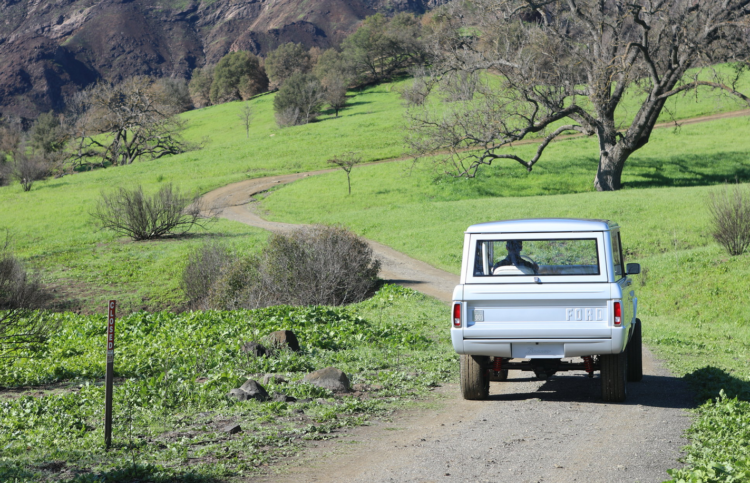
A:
303, 92
28, 168
288, 117
168, 212
200, 86
238, 75
286, 60
204, 267
173, 93
21, 327
317, 265
730, 217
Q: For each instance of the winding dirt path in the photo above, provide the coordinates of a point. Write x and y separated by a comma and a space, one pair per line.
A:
234, 202
529, 431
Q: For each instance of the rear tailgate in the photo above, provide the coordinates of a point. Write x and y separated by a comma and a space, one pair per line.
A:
537, 311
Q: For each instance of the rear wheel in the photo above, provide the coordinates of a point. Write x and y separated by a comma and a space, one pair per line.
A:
614, 368
635, 354
475, 378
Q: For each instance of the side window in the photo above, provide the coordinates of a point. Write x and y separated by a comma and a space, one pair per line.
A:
617, 260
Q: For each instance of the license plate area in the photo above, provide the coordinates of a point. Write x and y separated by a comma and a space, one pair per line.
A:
537, 350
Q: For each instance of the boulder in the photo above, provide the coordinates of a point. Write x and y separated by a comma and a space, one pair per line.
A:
329, 378
254, 348
284, 338
250, 390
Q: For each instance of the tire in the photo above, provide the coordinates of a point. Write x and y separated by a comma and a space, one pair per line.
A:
475, 378
635, 354
614, 369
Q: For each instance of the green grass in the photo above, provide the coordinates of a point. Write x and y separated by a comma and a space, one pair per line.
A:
174, 372
52, 230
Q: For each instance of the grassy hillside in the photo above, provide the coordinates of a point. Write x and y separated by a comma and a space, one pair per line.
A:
52, 229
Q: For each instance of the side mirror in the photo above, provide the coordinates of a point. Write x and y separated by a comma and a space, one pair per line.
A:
633, 268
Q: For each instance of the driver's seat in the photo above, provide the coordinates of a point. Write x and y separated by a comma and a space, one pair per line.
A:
512, 270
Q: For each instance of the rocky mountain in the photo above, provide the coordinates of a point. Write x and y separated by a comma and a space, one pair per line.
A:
52, 48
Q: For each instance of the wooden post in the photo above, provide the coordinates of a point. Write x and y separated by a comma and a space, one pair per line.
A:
110, 374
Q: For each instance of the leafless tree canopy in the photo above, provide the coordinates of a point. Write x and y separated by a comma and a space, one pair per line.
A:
564, 66
347, 162
730, 218
122, 123
141, 217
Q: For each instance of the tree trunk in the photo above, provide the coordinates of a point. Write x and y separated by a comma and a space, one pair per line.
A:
612, 157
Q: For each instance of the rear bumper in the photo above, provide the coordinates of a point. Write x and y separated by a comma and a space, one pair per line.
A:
539, 348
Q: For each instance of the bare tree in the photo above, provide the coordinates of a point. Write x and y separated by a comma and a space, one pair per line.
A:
347, 162
246, 116
335, 93
122, 123
168, 212
565, 66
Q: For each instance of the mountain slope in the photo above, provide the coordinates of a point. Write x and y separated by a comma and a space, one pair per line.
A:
51, 49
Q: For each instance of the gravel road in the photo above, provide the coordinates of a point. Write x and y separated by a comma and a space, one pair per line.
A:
529, 430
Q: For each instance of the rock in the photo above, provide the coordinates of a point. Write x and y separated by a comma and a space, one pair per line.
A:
250, 390
274, 378
255, 390
360, 387
279, 397
231, 428
329, 378
254, 348
239, 394
284, 338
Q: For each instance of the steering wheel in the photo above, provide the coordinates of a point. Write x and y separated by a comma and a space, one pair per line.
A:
532, 262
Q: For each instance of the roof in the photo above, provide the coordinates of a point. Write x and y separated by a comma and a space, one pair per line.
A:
542, 225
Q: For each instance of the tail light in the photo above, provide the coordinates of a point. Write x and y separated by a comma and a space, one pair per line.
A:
456, 315
618, 314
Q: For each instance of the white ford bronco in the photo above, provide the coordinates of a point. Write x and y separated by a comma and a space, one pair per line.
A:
546, 295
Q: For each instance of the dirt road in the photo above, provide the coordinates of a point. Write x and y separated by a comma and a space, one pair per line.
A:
529, 431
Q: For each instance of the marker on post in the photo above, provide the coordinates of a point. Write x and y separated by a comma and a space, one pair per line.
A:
109, 375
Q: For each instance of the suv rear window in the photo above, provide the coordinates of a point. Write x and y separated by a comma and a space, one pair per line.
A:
507, 258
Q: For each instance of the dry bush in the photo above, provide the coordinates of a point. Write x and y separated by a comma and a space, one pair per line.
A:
730, 218
288, 117
167, 212
22, 327
317, 265
415, 93
28, 168
204, 267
